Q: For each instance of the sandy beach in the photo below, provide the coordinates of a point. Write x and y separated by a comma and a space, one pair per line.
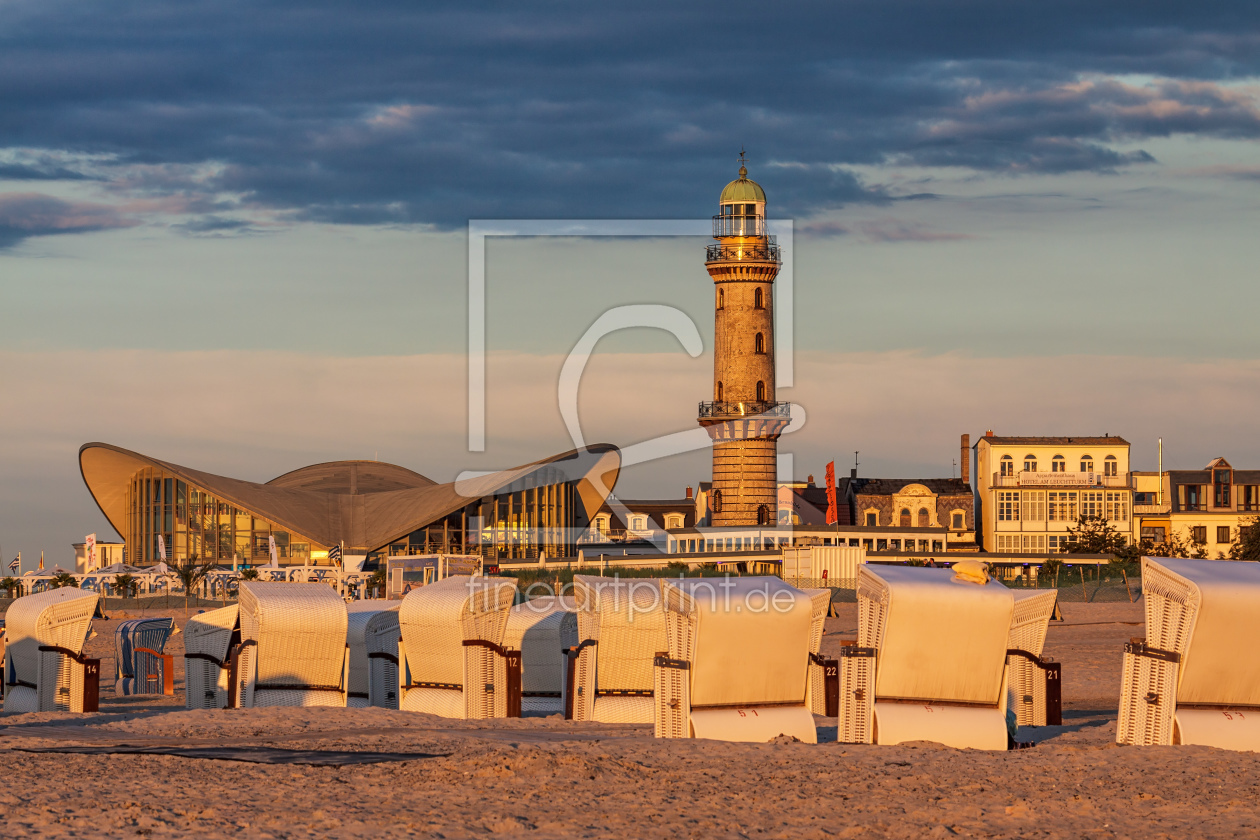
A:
543, 777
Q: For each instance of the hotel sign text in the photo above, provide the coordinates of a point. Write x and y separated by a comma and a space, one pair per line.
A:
1055, 479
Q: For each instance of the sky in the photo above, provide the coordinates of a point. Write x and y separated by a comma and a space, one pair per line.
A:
235, 235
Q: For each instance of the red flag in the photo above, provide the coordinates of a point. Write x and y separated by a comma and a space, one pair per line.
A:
833, 515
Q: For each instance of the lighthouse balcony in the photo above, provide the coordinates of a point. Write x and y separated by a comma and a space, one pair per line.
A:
753, 253
745, 409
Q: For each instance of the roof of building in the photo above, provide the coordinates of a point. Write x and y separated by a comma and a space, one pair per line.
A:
1205, 476
742, 189
352, 477
892, 486
648, 504
365, 520
1105, 440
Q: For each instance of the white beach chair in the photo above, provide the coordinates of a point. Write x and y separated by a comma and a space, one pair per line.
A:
1036, 682
44, 666
378, 619
1195, 678
738, 662
824, 674
451, 658
621, 630
293, 646
542, 629
209, 639
930, 660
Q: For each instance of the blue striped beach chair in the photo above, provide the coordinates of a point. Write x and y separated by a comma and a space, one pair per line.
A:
142, 667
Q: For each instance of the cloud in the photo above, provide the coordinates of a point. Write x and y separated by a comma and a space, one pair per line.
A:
272, 412
431, 117
23, 215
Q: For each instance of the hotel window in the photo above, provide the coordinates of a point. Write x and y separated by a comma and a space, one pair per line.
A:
1154, 534
759, 344
1092, 505
1192, 496
638, 523
673, 521
869, 545
924, 519
1111, 466
1008, 507
937, 546
872, 519
1221, 480
958, 520
1030, 463
1006, 466
759, 300
1222, 534
761, 392
881, 545
1034, 505
1062, 507
1117, 507
1087, 463
1053, 542
1249, 497
905, 517
1058, 464
895, 545
1035, 543
1198, 534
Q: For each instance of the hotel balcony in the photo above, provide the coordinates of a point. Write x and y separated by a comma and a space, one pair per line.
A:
1050, 481
745, 409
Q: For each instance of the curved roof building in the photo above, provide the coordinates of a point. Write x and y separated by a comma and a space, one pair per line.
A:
371, 508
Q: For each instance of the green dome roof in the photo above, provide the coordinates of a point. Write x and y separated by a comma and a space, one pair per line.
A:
742, 189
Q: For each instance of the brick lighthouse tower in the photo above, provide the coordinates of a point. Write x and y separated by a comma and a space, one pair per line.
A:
744, 420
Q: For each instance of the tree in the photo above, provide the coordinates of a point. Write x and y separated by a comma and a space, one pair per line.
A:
9, 584
1246, 547
126, 584
1095, 535
191, 573
377, 579
1175, 546
64, 579
249, 574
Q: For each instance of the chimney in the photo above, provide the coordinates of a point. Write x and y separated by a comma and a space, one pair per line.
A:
965, 460
989, 433
853, 472
810, 481
688, 492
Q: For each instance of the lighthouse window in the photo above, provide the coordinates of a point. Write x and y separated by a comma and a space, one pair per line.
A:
760, 343
761, 392
721, 299
759, 301
719, 392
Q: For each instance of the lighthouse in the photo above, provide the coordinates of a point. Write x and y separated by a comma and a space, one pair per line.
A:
743, 417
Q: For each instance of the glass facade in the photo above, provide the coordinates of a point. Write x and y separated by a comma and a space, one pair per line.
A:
196, 525
520, 524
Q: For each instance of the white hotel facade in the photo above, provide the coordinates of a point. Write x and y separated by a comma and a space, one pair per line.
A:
1031, 490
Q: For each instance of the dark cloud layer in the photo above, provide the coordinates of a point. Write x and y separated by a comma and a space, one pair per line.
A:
374, 112
23, 215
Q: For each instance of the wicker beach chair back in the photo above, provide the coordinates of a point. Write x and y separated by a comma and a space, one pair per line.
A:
380, 642
43, 680
138, 665
293, 637
542, 629
626, 621
1027, 681
208, 640
359, 615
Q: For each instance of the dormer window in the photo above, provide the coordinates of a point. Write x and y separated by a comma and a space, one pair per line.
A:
1221, 481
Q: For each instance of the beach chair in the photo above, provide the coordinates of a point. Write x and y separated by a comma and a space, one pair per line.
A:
824, 674
379, 620
621, 629
293, 646
542, 629
1195, 678
1035, 681
140, 666
209, 639
929, 663
738, 661
44, 666
451, 658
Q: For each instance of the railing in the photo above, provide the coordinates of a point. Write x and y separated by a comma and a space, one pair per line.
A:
745, 409
1100, 480
616, 536
739, 226
756, 253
